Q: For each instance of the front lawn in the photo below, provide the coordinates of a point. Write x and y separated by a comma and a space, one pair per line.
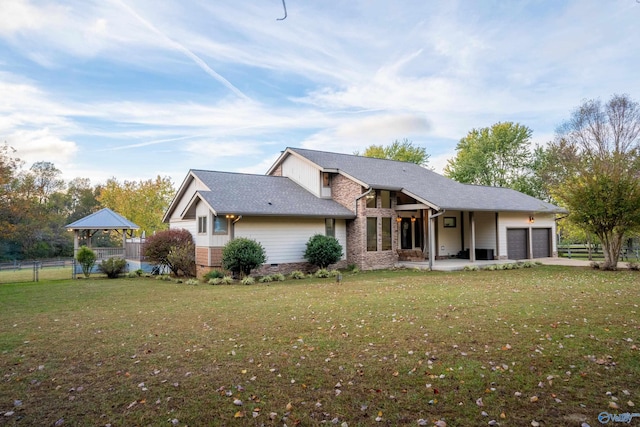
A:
551, 345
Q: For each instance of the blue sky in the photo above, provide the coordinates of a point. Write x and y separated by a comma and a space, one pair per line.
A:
137, 88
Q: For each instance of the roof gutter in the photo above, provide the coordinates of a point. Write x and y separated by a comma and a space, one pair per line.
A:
360, 197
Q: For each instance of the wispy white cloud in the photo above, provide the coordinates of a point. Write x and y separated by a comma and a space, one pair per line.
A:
184, 83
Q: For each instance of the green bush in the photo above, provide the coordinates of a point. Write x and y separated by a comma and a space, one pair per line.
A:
226, 280
248, 280
214, 274
242, 255
183, 259
87, 259
297, 275
323, 273
278, 277
323, 251
113, 267
193, 282
265, 279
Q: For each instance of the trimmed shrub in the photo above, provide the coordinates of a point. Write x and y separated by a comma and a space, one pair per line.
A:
183, 259
278, 277
297, 275
242, 255
113, 267
177, 242
226, 280
265, 279
248, 280
323, 273
323, 251
214, 274
87, 259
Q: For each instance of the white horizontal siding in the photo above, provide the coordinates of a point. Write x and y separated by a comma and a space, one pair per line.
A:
191, 187
486, 230
190, 225
285, 239
449, 238
302, 172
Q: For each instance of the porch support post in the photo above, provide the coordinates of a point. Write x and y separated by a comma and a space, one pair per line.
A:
472, 249
497, 254
432, 241
76, 238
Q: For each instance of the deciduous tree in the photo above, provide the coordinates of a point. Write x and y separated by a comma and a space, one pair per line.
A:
142, 202
595, 171
497, 156
404, 151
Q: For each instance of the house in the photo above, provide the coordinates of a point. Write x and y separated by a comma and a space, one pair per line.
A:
381, 211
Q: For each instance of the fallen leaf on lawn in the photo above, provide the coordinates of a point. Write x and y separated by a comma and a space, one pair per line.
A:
479, 402
440, 423
237, 402
503, 415
630, 403
613, 405
132, 404
239, 414
533, 399
535, 424
289, 406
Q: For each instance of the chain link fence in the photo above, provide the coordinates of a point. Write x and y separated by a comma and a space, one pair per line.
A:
37, 270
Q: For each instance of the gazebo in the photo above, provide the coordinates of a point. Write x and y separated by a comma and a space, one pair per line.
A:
107, 220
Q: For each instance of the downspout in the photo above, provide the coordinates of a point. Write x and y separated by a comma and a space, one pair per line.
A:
360, 197
359, 257
432, 241
233, 226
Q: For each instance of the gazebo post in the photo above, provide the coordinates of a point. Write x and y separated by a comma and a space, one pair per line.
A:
76, 239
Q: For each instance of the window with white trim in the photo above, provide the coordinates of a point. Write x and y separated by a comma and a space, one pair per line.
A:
330, 227
220, 225
202, 224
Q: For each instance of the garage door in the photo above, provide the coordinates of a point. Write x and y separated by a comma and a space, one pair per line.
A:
540, 239
517, 243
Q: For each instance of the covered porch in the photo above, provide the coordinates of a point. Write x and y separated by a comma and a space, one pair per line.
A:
453, 239
452, 264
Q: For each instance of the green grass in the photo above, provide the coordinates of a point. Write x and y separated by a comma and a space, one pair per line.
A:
26, 274
401, 346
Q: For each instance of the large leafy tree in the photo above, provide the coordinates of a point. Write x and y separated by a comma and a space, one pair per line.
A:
142, 202
498, 156
404, 151
595, 170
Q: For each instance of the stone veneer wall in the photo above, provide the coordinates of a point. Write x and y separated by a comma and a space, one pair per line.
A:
345, 192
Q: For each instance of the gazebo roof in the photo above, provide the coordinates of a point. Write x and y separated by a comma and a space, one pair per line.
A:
104, 219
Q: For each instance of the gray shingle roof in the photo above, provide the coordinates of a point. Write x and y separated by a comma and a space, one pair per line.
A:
245, 194
104, 219
426, 184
